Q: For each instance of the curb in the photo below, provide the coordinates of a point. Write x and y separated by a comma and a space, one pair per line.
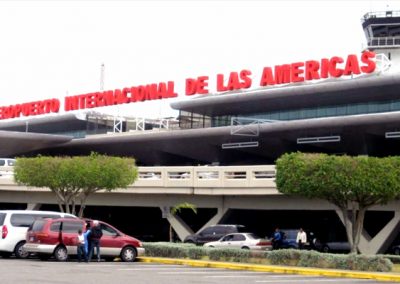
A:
380, 276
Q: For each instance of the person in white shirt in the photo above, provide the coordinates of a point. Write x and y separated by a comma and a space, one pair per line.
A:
301, 238
81, 247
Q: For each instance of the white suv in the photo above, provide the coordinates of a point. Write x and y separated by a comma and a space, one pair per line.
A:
14, 225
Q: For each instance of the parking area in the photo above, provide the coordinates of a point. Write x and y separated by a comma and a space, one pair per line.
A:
36, 271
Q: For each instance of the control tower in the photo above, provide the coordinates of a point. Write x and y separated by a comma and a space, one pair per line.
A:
382, 30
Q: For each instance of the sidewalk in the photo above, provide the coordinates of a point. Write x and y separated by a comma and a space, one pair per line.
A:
380, 276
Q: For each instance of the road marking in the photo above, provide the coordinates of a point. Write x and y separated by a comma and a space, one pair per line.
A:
311, 280
190, 268
232, 276
187, 272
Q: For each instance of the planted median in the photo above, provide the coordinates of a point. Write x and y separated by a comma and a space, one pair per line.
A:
289, 257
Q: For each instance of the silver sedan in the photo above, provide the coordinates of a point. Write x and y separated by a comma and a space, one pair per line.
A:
241, 241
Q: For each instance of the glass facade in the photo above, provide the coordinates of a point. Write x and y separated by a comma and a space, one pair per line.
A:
192, 120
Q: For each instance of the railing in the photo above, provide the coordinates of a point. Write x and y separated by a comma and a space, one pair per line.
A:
262, 177
384, 41
207, 176
381, 14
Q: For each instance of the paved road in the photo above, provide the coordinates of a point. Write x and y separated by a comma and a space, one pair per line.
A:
13, 271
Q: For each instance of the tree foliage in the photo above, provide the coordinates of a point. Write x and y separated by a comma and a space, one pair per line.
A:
73, 179
353, 184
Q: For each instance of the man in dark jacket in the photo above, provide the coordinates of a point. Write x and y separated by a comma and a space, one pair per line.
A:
94, 240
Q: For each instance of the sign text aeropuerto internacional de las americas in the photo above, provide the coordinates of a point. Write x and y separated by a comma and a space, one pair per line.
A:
271, 76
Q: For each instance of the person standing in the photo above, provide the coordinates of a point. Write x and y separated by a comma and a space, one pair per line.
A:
94, 240
81, 248
301, 238
277, 239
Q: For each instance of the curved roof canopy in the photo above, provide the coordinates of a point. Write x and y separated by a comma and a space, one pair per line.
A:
295, 96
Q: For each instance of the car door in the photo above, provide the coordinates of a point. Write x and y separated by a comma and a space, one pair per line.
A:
226, 241
69, 234
238, 241
111, 242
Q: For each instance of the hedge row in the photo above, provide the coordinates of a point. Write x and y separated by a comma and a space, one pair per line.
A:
327, 260
290, 257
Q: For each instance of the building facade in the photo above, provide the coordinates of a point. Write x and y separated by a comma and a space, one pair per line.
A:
337, 105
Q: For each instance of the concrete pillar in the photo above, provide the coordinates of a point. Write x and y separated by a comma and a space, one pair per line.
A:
217, 217
179, 226
381, 241
33, 206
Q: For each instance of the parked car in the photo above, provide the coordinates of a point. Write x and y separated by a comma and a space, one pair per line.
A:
213, 233
13, 227
58, 238
241, 240
335, 246
290, 236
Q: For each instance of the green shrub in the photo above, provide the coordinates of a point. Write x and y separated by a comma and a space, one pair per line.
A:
228, 254
284, 257
290, 257
393, 258
324, 260
172, 250
194, 252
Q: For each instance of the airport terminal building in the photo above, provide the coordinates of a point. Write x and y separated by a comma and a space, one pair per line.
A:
337, 105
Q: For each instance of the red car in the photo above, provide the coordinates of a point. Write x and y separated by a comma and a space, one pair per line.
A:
58, 238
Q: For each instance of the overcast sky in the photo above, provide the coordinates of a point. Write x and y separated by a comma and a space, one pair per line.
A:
51, 49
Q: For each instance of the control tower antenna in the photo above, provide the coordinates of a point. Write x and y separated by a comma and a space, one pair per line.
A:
102, 68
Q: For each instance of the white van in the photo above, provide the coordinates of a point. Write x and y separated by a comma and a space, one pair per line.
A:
13, 227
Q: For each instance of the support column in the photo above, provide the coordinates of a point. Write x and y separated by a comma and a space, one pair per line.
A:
33, 206
381, 241
181, 228
217, 217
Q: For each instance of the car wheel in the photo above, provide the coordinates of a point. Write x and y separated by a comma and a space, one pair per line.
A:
128, 254
245, 248
397, 251
19, 251
325, 249
61, 254
189, 242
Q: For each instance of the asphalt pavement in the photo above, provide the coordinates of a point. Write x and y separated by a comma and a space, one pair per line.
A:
34, 271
